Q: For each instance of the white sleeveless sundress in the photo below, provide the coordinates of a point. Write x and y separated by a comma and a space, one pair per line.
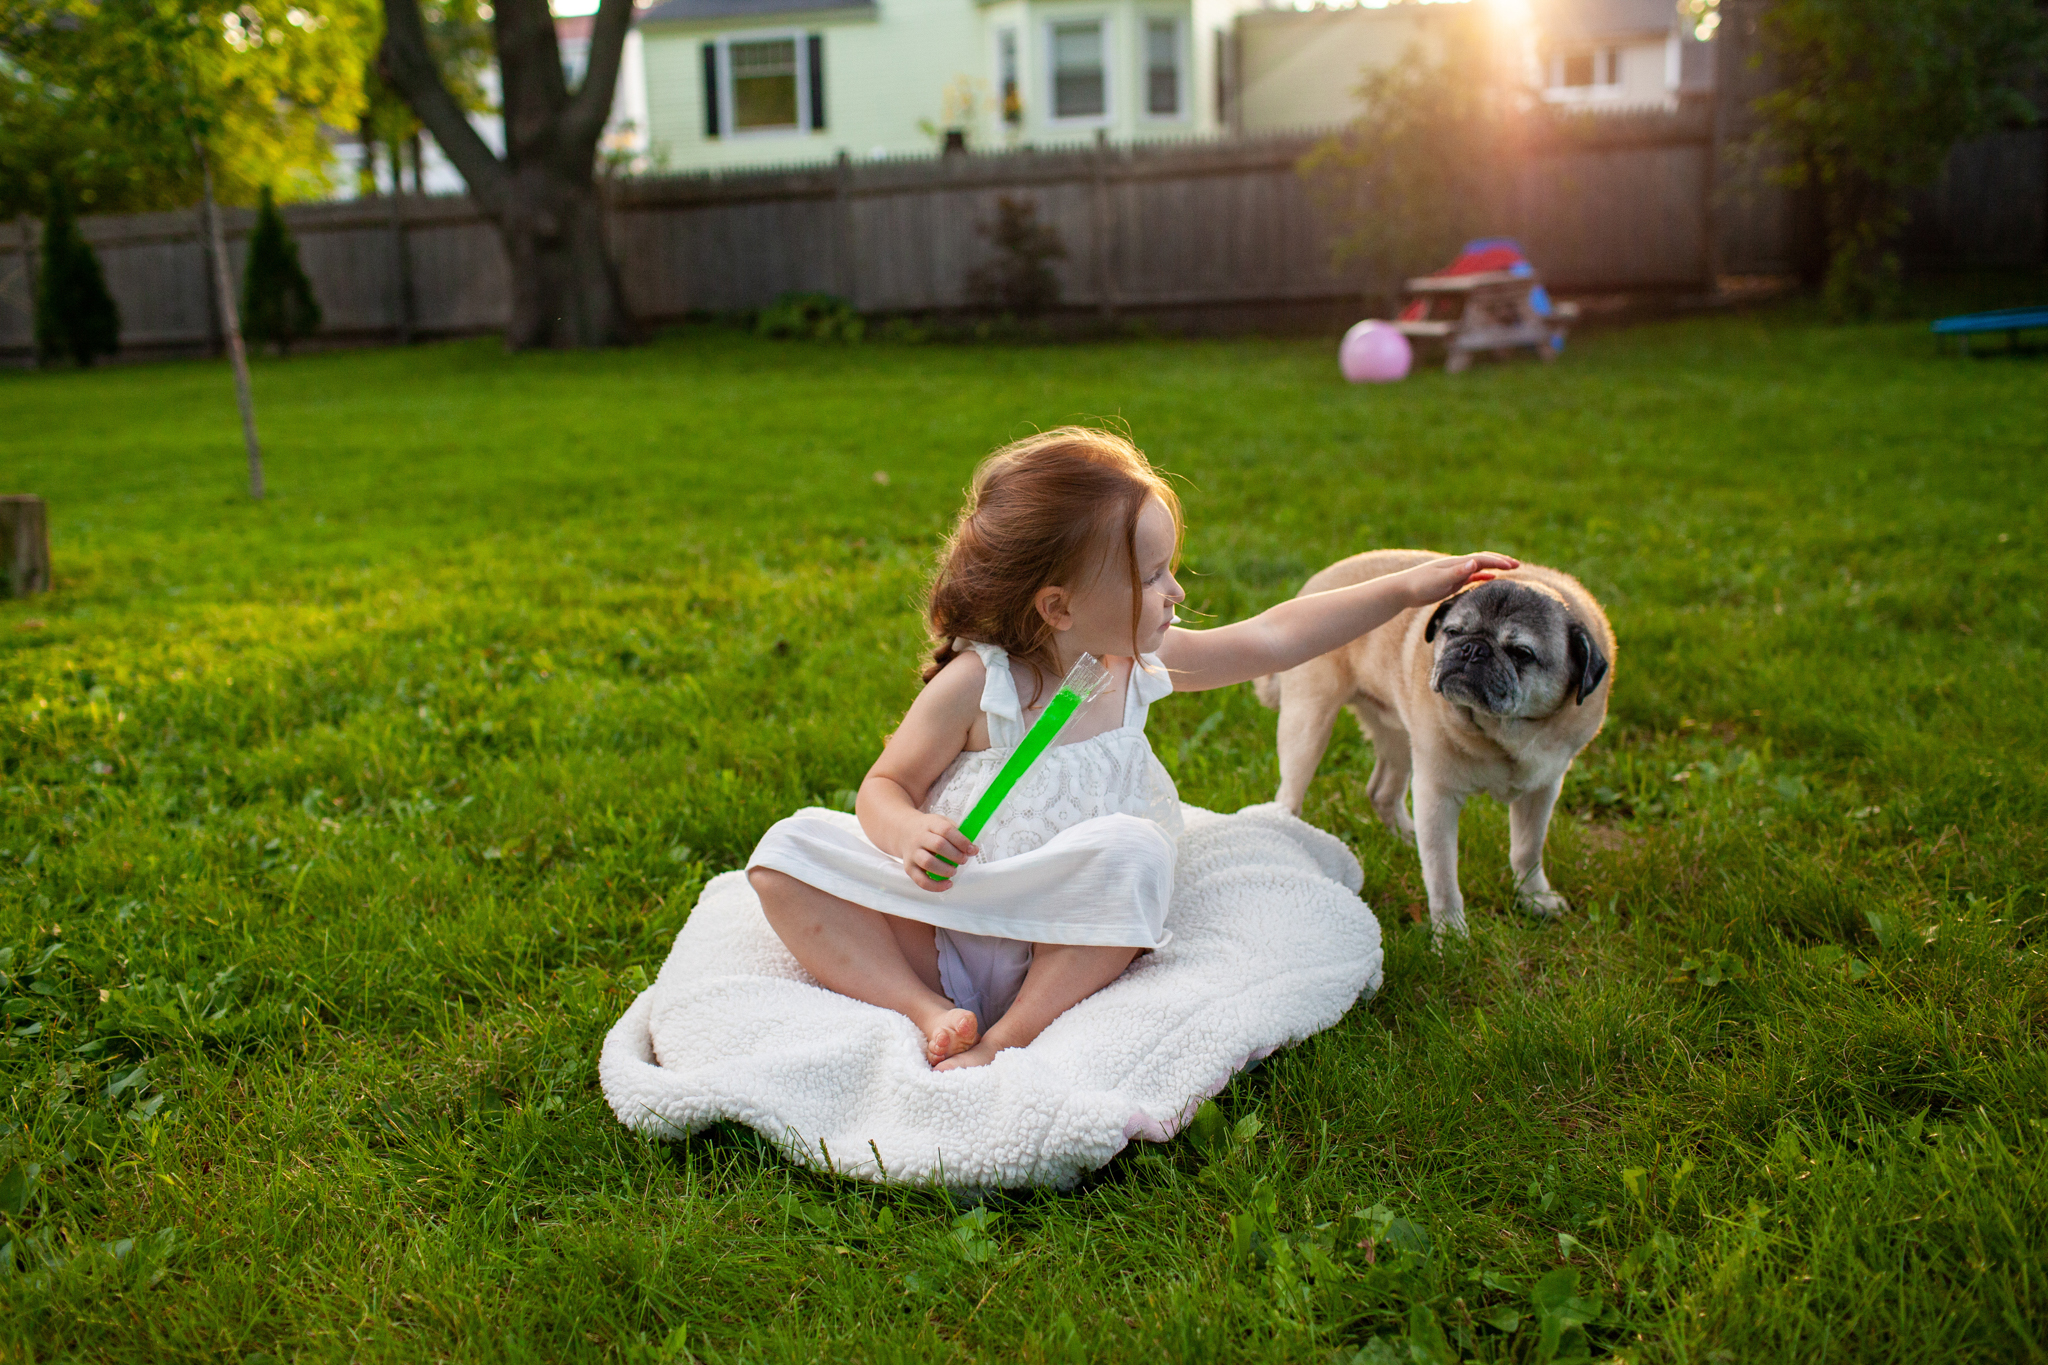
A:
1081, 851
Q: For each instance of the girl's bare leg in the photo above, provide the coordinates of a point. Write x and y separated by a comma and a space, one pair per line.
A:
920, 949
1062, 975
862, 953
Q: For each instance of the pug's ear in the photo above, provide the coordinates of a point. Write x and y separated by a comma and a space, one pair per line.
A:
1588, 663
1436, 619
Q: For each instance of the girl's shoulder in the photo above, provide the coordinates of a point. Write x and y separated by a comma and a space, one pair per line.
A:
956, 689
964, 672
948, 711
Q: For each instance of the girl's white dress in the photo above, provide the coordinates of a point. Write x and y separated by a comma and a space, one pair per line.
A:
1081, 851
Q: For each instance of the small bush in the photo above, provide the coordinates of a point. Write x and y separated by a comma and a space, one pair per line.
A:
1019, 279
277, 299
75, 315
906, 332
810, 317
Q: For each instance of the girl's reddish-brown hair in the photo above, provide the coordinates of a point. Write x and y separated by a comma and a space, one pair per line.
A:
1043, 511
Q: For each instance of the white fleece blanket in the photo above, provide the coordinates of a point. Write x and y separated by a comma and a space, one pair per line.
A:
1270, 944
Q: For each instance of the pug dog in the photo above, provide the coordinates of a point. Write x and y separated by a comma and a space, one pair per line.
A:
1495, 689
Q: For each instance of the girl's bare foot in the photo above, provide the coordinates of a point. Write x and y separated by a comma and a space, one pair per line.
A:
981, 1054
950, 1034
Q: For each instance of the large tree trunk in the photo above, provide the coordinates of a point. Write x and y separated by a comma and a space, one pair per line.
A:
565, 289
543, 194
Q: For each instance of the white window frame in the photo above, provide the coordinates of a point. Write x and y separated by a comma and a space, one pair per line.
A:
1608, 77
1183, 66
1106, 21
728, 116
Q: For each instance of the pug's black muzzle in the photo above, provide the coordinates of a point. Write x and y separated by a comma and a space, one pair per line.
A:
1469, 671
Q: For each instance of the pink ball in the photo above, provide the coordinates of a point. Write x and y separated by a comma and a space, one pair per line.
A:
1374, 352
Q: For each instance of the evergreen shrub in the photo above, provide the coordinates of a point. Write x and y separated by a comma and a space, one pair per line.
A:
75, 315
277, 299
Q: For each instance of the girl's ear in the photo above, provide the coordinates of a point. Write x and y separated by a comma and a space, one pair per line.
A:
1056, 605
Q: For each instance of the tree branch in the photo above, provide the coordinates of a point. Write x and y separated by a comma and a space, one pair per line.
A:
587, 113
408, 63
533, 90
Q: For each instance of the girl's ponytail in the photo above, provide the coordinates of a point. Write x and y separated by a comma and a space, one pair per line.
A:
942, 655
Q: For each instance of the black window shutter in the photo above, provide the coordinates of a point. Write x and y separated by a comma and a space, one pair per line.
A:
817, 46
711, 89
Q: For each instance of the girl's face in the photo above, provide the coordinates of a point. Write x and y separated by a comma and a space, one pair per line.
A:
1098, 616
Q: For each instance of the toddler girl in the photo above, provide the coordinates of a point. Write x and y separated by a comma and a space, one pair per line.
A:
1067, 546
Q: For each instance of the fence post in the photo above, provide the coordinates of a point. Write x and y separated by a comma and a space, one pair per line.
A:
842, 225
401, 262
28, 283
215, 340
1710, 194
1104, 281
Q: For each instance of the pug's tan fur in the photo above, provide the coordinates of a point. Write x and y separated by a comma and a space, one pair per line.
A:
1444, 750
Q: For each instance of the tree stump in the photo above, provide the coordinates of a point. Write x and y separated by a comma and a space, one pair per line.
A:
24, 545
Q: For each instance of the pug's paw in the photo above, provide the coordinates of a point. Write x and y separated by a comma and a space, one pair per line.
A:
1444, 928
1542, 904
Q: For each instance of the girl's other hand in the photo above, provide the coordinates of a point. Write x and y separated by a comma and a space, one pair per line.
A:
1439, 578
934, 845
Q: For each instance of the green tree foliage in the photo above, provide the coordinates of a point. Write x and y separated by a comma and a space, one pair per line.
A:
1419, 171
55, 129
277, 299
75, 315
108, 95
1873, 96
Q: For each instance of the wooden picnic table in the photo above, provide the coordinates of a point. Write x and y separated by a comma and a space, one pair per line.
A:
1489, 311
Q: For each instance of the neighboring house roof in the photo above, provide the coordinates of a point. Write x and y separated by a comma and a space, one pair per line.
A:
742, 9
1579, 20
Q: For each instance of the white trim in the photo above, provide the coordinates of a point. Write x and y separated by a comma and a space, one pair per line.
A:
1183, 65
728, 122
1105, 20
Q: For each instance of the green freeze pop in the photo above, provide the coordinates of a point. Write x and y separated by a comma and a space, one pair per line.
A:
1083, 683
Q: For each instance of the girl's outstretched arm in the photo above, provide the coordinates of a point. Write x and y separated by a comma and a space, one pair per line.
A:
1302, 627
937, 727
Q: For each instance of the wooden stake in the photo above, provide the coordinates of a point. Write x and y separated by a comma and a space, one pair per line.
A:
231, 322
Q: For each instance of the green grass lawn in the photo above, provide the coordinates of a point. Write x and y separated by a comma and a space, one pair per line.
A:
335, 831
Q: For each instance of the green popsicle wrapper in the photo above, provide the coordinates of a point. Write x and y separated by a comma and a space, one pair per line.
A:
1083, 683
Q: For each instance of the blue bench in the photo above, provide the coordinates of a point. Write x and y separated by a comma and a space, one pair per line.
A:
2011, 321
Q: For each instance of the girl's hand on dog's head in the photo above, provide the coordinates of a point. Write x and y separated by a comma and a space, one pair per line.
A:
1439, 578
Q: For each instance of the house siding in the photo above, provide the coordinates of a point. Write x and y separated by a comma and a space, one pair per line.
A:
884, 71
1302, 70
887, 71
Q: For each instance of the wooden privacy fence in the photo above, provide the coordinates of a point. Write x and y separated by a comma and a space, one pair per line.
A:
1633, 203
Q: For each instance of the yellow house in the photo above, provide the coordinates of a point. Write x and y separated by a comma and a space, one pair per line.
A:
733, 83
760, 82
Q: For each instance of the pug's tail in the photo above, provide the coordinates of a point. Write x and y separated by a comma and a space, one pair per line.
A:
1267, 689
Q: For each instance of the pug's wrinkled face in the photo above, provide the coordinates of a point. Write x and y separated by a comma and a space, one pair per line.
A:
1507, 650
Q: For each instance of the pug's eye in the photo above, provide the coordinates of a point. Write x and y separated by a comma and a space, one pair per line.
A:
1522, 655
